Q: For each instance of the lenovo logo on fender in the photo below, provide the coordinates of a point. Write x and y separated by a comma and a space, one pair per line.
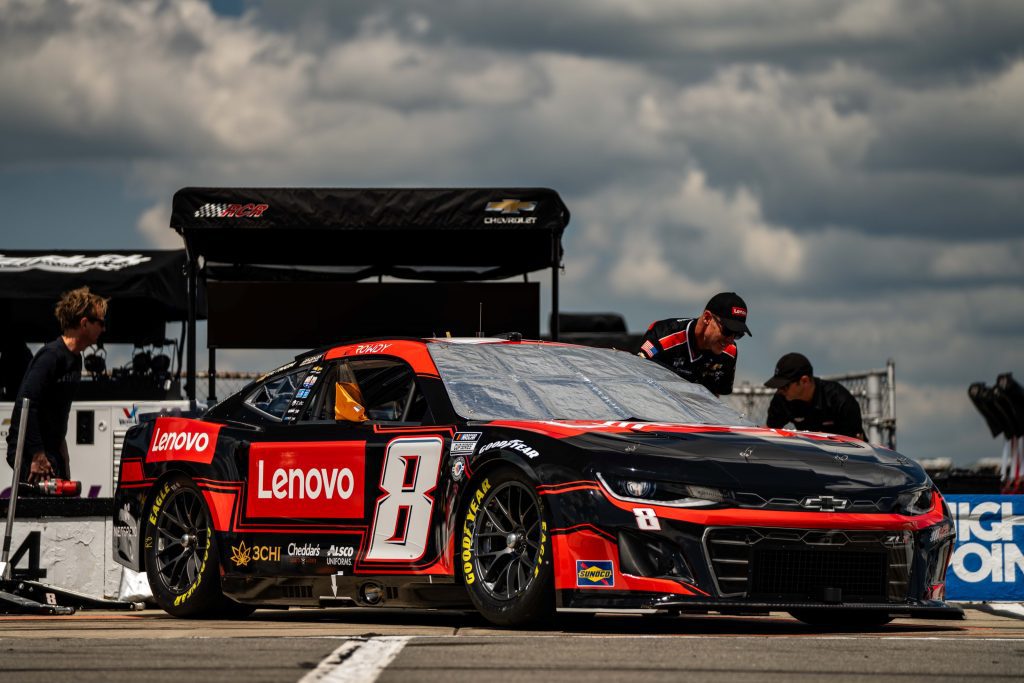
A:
176, 438
306, 480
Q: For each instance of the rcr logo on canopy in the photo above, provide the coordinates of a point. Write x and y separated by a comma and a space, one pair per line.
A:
231, 210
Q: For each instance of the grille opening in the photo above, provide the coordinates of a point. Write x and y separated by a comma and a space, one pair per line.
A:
651, 556
296, 591
801, 565
818, 575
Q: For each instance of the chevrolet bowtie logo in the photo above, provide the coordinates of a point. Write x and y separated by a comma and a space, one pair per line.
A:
825, 503
510, 206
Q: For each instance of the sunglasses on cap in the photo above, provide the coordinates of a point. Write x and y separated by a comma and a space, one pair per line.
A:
726, 332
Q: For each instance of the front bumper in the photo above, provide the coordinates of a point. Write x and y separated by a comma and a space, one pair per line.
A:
743, 561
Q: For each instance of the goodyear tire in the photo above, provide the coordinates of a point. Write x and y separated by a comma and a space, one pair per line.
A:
842, 619
181, 553
505, 552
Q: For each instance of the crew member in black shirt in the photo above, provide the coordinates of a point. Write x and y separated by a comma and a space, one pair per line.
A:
703, 349
812, 404
49, 384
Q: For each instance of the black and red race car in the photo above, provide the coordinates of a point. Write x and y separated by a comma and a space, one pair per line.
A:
519, 478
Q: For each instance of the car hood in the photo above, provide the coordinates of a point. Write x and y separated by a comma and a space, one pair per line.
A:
770, 463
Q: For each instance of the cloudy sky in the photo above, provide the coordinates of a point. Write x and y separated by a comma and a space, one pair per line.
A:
854, 169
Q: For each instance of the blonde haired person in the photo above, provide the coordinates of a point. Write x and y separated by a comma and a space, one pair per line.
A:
50, 383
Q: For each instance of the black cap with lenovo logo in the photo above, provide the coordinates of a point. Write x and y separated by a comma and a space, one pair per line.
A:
731, 310
790, 368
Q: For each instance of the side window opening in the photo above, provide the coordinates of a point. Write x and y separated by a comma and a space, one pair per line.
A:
274, 396
386, 389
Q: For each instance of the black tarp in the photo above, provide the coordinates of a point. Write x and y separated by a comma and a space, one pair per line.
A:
146, 287
440, 234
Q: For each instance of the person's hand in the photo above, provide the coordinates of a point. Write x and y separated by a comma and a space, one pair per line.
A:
40, 468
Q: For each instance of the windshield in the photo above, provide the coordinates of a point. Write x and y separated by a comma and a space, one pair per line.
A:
552, 382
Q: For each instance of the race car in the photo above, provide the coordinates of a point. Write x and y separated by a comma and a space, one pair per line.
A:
519, 478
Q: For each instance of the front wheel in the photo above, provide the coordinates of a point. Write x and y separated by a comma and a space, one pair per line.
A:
842, 619
505, 551
181, 554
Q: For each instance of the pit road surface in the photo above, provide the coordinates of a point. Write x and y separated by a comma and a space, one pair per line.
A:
394, 645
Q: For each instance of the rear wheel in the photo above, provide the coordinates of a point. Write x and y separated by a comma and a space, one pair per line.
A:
505, 550
842, 619
181, 554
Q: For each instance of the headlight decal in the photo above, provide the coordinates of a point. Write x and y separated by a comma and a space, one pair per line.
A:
627, 490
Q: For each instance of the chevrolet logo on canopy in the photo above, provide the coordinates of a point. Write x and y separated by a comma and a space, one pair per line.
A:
510, 206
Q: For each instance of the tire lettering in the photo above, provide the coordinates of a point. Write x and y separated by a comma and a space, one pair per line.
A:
467, 532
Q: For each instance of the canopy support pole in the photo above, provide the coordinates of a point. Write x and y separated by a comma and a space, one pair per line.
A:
212, 376
192, 275
556, 258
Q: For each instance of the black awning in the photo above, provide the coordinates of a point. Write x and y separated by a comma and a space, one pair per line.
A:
423, 234
147, 289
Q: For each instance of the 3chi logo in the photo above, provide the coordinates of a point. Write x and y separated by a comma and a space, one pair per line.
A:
242, 554
510, 206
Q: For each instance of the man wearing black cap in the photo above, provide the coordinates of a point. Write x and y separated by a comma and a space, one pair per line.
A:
702, 349
812, 404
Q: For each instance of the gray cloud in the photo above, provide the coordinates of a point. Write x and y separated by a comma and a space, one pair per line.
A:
853, 168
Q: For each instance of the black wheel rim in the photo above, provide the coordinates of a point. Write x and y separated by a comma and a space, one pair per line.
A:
507, 541
183, 537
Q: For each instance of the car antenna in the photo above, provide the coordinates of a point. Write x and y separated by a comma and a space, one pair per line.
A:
480, 325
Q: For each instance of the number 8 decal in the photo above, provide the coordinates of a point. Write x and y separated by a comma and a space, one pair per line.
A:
401, 520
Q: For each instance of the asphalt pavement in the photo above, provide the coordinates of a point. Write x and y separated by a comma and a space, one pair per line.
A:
402, 645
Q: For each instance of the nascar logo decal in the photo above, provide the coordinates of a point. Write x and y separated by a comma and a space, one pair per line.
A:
231, 210
464, 442
594, 573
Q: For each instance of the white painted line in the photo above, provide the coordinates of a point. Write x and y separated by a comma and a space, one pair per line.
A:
357, 661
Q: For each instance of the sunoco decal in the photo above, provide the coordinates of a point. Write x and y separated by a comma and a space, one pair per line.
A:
176, 438
306, 480
595, 574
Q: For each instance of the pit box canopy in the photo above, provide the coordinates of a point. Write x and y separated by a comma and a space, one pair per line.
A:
146, 287
422, 234
302, 256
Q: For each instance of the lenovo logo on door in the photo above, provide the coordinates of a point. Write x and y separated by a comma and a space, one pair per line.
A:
306, 479
177, 438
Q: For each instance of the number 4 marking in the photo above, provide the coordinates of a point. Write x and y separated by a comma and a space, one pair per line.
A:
401, 520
